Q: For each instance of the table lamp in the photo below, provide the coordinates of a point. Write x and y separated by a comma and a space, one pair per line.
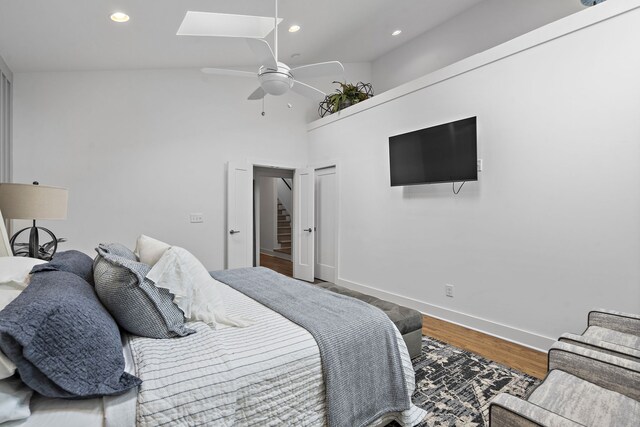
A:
33, 202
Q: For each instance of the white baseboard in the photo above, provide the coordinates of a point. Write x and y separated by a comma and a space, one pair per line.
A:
508, 333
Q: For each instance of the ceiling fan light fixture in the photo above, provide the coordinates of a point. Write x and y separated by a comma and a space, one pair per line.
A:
275, 78
119, 17
294, 28
276, 84
396, 33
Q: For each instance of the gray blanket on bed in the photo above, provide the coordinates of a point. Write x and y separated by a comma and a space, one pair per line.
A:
361, 362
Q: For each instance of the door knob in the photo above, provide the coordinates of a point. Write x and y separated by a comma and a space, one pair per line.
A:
233, 232
308, 229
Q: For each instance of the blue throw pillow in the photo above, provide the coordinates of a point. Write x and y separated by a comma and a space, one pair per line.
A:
74, 262
63, 341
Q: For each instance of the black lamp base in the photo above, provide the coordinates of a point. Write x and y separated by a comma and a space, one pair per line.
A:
33, 249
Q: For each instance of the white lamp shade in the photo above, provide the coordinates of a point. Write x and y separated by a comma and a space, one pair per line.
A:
27, 201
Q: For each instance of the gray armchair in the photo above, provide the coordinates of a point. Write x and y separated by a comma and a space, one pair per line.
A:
584, 387
611, 332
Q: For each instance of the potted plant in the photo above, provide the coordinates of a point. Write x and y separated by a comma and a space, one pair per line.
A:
347, 95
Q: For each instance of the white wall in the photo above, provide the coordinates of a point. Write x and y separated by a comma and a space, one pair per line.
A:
268, 213
481, 27
140, 150
551, 229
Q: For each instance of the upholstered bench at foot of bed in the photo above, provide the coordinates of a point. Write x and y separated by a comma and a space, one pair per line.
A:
407, 320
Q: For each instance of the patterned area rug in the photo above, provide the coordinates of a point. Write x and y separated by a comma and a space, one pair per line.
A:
455, 386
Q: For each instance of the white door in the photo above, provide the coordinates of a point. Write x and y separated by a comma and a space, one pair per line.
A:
325, 231
303, 223
239, 215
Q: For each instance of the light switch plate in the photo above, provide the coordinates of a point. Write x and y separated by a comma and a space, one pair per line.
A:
196, 218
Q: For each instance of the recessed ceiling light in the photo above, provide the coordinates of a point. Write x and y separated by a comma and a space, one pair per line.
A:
119, 17
396, 33
294, 28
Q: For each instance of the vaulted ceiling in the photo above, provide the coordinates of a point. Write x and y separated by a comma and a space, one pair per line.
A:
62, 35
38, 35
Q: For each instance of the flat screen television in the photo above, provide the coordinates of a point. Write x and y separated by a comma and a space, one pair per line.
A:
443, 153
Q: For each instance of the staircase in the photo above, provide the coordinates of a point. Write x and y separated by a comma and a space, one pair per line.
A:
284, 230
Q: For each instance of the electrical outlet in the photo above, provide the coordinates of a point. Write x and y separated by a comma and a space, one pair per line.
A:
448, 290
479, 165
196, 218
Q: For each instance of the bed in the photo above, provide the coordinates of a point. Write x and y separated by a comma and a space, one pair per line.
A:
269, 373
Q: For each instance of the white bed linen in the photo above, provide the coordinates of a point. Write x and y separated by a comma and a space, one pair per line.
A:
272, 369
267, 374
112, 411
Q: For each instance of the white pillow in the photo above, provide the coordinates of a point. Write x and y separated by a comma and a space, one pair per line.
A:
16, 268
195, 292
150, 250
14, 400
7, 368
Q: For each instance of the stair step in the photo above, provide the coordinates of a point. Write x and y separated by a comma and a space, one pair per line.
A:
284, 234
283, 251
284, 218
287, 223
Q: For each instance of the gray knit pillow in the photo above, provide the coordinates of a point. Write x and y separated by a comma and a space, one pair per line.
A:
134, 302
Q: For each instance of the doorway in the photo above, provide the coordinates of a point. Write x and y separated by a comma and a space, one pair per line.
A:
273, 217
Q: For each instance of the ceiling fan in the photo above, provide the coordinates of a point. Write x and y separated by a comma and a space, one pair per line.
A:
274, 77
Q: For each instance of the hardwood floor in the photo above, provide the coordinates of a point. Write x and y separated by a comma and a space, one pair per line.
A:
504, 352
280, 265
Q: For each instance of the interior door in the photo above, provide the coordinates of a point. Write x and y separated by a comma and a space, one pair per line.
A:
239, 215
325, 230
303, 224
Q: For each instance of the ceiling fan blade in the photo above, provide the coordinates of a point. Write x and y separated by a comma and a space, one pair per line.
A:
332, 68
263, 52
257, 94
227, 72
308, 91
